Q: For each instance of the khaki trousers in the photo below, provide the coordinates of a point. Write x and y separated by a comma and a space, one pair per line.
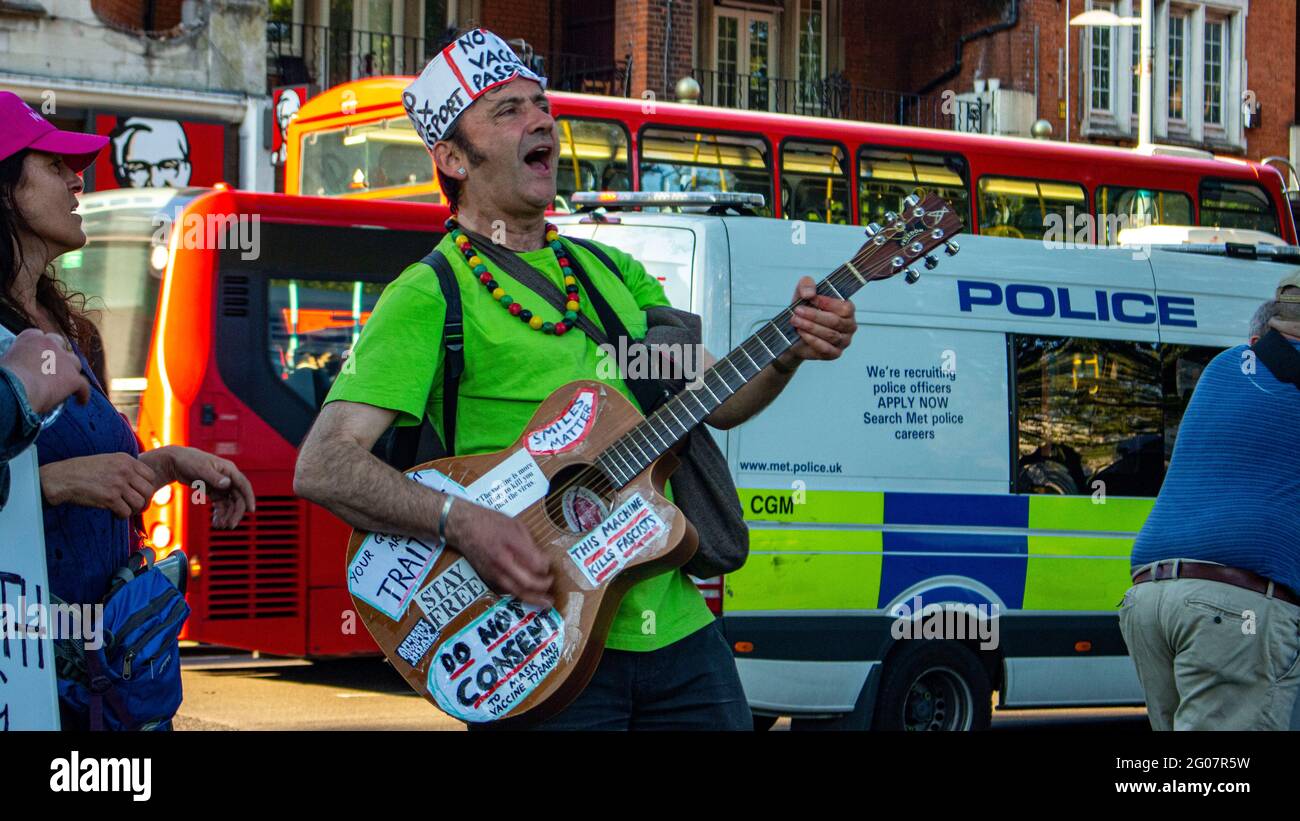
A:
1212, 656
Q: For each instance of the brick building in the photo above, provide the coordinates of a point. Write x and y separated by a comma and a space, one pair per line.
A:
1003, 61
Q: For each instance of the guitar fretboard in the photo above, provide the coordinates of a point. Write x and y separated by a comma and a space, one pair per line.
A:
640, 447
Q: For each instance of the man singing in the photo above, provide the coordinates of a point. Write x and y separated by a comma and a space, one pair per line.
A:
487, 123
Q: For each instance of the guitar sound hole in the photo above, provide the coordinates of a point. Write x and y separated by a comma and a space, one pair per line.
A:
578, 499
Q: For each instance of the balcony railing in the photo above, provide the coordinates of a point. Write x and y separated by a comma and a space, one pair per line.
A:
835, 97
586, 74
306, 53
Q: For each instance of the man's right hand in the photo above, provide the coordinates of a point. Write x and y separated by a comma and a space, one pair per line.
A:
502, 551
49, 370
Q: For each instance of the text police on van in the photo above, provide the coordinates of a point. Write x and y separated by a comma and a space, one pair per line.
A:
1024, 299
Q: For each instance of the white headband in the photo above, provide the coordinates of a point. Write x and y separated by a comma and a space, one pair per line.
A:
474, 62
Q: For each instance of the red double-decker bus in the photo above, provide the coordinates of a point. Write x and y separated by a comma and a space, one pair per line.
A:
355, 141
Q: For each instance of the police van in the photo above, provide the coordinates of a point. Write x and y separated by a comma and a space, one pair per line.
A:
948, 510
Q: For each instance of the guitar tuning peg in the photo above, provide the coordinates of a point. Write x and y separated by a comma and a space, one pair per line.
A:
951, 248
873, 229
911, 201
890, 216
911, 276
930, 262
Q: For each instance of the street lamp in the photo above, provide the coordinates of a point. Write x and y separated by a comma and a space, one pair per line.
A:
1103, 18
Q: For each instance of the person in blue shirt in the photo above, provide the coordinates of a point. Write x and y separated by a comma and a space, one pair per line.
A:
93, 476
1212, 620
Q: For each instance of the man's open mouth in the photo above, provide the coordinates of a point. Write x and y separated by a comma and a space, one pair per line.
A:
539, 159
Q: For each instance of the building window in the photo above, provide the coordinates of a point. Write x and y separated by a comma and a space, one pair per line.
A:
1101, 64
1177, 65
1214, 50
812, 51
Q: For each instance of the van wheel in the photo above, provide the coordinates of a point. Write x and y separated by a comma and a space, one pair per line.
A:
934, 685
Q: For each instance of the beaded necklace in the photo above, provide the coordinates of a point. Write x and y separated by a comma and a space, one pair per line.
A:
571, 305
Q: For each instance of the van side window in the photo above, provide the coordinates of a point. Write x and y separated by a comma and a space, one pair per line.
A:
310, 324
1236, 205
675, 160
814, 182
1121, 208
886, 177
1090, 416
1027, 209
592, 157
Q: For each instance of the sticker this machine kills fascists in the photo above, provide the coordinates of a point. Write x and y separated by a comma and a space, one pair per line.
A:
488, 667
616, 541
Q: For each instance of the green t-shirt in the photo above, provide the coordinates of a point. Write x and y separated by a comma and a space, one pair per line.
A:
509, 369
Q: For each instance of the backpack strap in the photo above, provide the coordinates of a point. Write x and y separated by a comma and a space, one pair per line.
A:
599, 253
650, 393
1278, 355
414, 445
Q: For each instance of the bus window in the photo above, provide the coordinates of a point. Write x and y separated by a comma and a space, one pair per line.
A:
1236, 205
1090, 411
1121, 208
886, 178
814, 182
673, 160
592, 157
310, 324
364, 157
1021, 208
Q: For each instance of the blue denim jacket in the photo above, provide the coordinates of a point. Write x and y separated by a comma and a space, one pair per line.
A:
19, 426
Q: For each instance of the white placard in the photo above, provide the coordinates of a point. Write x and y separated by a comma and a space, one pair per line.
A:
29, 698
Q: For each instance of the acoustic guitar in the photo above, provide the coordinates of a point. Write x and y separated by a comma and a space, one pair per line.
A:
587, 478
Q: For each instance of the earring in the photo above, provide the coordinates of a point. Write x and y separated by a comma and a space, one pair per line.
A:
461, 171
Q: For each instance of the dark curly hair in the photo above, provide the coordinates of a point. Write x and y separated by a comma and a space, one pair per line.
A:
68, 308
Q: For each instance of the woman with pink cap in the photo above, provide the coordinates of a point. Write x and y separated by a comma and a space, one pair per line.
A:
94, 478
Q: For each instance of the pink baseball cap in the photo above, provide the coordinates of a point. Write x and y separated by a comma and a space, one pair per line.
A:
24, 128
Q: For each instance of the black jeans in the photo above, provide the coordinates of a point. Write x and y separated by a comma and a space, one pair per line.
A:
691, 684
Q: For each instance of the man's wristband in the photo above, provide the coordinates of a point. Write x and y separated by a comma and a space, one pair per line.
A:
442, 518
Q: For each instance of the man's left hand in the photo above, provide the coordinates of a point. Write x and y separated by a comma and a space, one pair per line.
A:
825, 325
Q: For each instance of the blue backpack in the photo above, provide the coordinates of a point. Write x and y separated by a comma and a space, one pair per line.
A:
132, 680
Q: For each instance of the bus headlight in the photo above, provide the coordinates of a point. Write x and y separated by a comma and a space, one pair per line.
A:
160, 535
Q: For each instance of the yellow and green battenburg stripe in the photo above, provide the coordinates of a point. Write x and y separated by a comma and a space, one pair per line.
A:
1071, 551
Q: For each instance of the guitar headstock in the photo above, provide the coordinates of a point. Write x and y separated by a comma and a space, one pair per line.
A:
923, 225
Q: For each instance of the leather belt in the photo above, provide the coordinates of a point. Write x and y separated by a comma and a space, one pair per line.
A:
1216, 573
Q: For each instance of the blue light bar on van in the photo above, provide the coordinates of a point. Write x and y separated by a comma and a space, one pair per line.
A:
587, 200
